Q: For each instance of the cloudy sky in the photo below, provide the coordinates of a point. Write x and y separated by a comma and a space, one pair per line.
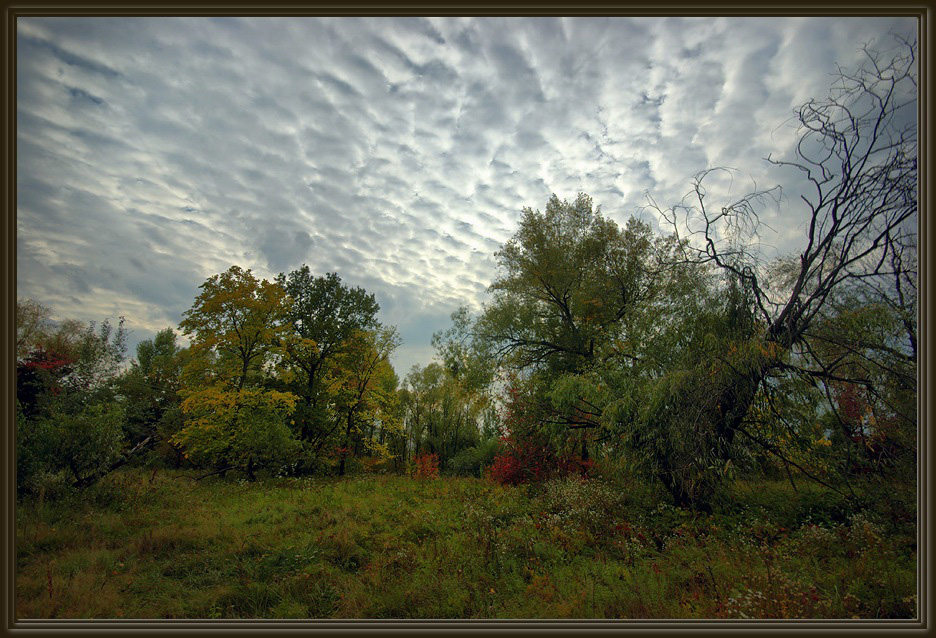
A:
153, 153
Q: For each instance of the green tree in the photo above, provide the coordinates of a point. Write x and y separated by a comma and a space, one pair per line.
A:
570, 281
868, 378
323, 316
69, 425
238, 429
33, 325
466, 358
578, 299
443, 413
664, 413
151, 390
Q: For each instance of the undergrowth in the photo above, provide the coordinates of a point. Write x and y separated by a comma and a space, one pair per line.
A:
145, 544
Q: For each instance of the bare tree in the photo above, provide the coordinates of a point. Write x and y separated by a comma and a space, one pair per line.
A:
857, 151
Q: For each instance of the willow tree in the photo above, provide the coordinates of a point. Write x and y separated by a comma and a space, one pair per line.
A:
577, 294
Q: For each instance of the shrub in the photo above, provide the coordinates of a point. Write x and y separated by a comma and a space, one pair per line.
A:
240, 428
471, 461
426, 466
531, 454
590, 505
81, 444
530, 459
512, 469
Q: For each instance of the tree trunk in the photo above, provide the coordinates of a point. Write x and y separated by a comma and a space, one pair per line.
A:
732, 407
734, 404
674, 487
584, 455
347, 442
305, 433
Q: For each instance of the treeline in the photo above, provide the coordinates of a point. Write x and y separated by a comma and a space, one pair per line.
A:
685, 359
291, 375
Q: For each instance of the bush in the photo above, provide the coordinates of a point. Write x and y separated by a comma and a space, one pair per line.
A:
241, 428
81, 445
35, 443
528, 459
586, 504
426, 466
471, 461
531, 453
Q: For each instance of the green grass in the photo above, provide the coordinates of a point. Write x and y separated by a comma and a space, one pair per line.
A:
144, 545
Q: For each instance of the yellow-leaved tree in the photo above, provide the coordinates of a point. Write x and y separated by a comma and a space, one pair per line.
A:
232, 419
363, 388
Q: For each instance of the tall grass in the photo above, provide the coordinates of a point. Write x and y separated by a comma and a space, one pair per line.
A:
158, 545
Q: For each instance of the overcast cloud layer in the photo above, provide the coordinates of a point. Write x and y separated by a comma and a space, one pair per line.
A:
153, 153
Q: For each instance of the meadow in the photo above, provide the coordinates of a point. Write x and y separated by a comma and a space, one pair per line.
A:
154, 543
745, 410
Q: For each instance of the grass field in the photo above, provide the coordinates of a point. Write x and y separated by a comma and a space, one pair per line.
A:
146, 544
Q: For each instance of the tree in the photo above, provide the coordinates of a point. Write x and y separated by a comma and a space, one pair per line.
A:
33, 324
466, 359
364, 391
231, 419
528, 452
442, 412
237, 321
663, 411
40, 376
99, 356
579, 298
243, 429
871, 409
857, 152
570, 281
70, 418
151, 389
323, 315
65, 359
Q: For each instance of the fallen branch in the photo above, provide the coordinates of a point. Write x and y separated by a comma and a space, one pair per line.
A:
203, 476
123, 460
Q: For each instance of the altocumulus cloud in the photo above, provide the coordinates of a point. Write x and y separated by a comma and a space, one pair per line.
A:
153, 153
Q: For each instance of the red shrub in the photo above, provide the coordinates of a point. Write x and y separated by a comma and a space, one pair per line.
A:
529, 455
523, 463
528, 462
426, 466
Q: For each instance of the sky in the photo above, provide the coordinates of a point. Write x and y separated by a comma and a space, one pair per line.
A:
399, 153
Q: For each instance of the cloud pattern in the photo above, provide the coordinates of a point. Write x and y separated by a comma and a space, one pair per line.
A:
155, 152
